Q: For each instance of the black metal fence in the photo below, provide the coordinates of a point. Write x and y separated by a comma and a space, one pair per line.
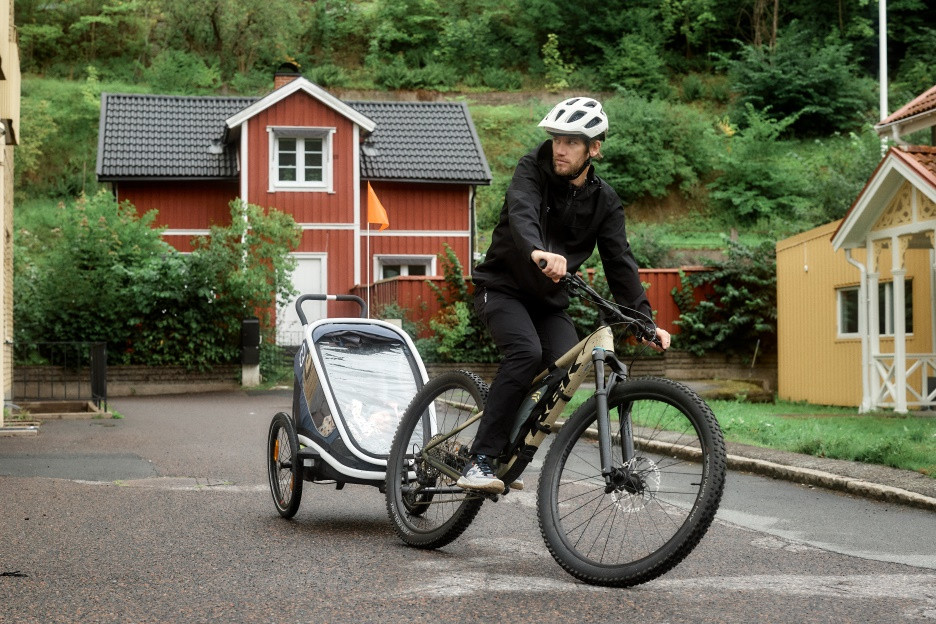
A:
60, 371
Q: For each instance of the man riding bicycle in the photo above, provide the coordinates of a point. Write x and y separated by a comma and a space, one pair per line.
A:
556, 211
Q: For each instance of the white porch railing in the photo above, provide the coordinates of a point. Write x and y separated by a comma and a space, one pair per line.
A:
921, 391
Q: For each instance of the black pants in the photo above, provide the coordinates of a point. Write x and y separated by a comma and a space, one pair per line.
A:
529, 339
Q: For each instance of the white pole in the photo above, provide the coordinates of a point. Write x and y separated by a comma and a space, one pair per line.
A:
369, 263
882, 53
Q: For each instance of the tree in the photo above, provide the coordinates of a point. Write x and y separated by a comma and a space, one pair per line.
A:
815, 81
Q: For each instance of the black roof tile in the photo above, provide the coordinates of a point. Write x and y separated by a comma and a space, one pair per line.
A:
168, 137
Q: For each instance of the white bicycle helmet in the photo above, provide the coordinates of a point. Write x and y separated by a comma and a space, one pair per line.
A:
578, 116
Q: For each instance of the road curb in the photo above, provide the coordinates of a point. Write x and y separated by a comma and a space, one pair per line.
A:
831, 481
809, 476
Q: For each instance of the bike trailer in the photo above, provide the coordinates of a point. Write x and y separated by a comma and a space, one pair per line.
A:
354, 378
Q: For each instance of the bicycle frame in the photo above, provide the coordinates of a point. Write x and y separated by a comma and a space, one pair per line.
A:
594, 352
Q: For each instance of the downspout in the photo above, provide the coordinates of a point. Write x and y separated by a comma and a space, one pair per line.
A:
863, 331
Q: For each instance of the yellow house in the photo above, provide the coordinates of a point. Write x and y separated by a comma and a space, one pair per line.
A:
9, 136
856, 299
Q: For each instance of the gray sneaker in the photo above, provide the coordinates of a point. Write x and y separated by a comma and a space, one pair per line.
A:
478, 475
517, 484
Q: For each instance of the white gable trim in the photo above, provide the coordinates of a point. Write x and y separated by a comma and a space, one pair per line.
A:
301, 84
874, 199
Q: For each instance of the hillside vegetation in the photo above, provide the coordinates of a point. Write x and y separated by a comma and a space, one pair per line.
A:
733, 123
750, 116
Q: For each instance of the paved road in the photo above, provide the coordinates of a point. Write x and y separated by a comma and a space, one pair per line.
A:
164, 516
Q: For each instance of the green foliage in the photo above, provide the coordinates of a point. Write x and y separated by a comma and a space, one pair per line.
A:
507, 133
675, 147
812, 82
739, 312
900, 441
557, 70
394, 311
458, 334
108, 276
759, 177
58, 137
648, 245
173, 70
634, 65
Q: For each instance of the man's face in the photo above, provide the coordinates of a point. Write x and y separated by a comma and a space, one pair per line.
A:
569, 154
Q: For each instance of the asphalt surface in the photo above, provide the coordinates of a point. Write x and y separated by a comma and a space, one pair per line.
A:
165, 515
870, 481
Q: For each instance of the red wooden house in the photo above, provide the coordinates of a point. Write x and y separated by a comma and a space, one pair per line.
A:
305, 152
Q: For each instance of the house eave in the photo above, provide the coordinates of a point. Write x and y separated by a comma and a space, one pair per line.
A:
168, 178
426, 181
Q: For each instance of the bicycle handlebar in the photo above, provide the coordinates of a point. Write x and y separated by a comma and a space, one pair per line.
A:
642, 328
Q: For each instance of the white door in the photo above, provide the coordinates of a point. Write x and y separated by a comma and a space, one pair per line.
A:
309, 277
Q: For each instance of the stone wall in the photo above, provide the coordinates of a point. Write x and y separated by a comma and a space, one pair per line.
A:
677, 365
45, 382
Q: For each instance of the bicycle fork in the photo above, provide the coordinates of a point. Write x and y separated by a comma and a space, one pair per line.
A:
622, 477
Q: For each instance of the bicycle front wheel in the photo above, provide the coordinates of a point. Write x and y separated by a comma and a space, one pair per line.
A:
660, 503
426, 507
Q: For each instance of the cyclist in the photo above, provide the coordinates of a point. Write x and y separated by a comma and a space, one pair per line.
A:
555, 212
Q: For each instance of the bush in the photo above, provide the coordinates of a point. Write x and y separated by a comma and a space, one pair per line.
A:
740, 315
459, 335
108, 276
674, 147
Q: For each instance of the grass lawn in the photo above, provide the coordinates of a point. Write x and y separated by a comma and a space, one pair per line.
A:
907, 442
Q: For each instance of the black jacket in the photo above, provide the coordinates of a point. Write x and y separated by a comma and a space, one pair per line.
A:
544, 211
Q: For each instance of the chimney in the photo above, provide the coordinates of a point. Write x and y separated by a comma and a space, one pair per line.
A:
285, 73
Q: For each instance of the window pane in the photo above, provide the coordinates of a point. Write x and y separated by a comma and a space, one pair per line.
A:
313, 174
286, 159
417, 269
848, 311
391, 270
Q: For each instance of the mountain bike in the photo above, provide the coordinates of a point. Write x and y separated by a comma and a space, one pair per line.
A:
629, 485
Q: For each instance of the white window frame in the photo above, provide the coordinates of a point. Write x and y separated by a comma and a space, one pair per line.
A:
885, 299
405, 261
840, 309
300, 134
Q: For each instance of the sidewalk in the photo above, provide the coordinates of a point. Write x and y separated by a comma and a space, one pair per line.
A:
869, 480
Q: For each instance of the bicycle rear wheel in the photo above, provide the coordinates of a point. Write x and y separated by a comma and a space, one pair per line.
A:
663, 500
425, 506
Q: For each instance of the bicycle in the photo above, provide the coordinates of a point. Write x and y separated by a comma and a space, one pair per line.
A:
620, 501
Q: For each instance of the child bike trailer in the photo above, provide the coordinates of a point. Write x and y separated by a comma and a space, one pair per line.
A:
353, 379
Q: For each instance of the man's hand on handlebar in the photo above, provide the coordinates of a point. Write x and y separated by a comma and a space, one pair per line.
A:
662, 340
552, 265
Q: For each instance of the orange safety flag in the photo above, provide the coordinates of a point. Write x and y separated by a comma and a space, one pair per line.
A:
375, 210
